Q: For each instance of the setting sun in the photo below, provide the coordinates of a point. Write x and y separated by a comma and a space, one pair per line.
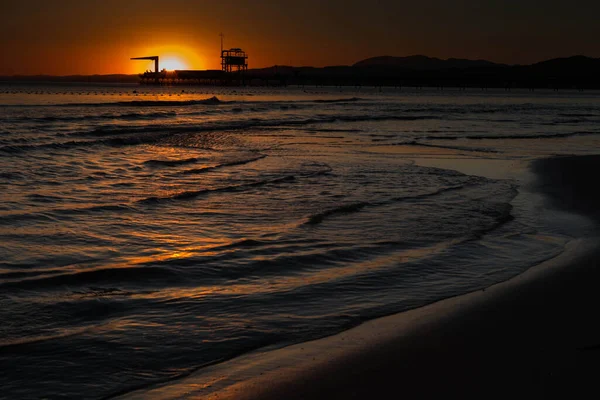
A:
171, 63
171, 58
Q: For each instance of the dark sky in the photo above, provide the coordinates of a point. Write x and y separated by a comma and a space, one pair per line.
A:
86, 37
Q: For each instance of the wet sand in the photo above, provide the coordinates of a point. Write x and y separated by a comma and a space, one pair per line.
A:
535, 335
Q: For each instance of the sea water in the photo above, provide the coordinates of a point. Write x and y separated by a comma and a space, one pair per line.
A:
146, 232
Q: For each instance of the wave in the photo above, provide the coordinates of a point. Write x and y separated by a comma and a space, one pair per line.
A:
9, 219
437, 146
318, 218
72, 118
563, 121
343, 209
21, 341
192, 194
132, 103
112, 142
10, 176
181, 373
132, 274
222, 165
151, 103
39, 198
329, 130
502, 215
243, 124
455, 110
171, 163
94, 209
577, 115
56, 215
120, 135
501, 137
348, 100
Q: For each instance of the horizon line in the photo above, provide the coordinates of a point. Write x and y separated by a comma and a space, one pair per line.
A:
305, 66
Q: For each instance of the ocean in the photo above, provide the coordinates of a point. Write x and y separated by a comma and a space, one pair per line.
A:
147, 232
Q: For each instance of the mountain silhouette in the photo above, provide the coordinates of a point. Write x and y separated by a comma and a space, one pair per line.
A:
580, 65
424, 63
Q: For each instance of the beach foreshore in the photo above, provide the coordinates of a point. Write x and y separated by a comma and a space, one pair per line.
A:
535, 335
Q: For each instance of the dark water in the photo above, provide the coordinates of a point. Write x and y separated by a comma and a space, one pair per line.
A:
144, 235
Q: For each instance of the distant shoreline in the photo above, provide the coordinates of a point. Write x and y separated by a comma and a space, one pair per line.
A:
577, 72
86, 79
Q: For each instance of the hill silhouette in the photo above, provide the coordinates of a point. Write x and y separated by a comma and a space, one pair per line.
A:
568, 65
420, 62
576, 72
558, 67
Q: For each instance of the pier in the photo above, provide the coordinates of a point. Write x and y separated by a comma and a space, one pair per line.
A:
357, 77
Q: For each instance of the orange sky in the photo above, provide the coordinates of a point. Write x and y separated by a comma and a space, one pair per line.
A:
61, 37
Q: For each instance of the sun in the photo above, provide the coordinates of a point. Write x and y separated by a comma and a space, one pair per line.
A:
171, 58
172, 63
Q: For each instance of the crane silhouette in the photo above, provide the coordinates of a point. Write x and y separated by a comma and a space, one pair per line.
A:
153, 58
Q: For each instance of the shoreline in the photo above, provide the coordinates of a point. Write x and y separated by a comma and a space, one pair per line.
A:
531, 335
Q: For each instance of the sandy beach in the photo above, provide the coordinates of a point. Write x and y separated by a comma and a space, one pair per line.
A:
534, 335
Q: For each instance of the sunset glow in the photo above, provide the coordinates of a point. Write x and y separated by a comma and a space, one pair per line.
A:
298, 34
172, 63
171, 58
